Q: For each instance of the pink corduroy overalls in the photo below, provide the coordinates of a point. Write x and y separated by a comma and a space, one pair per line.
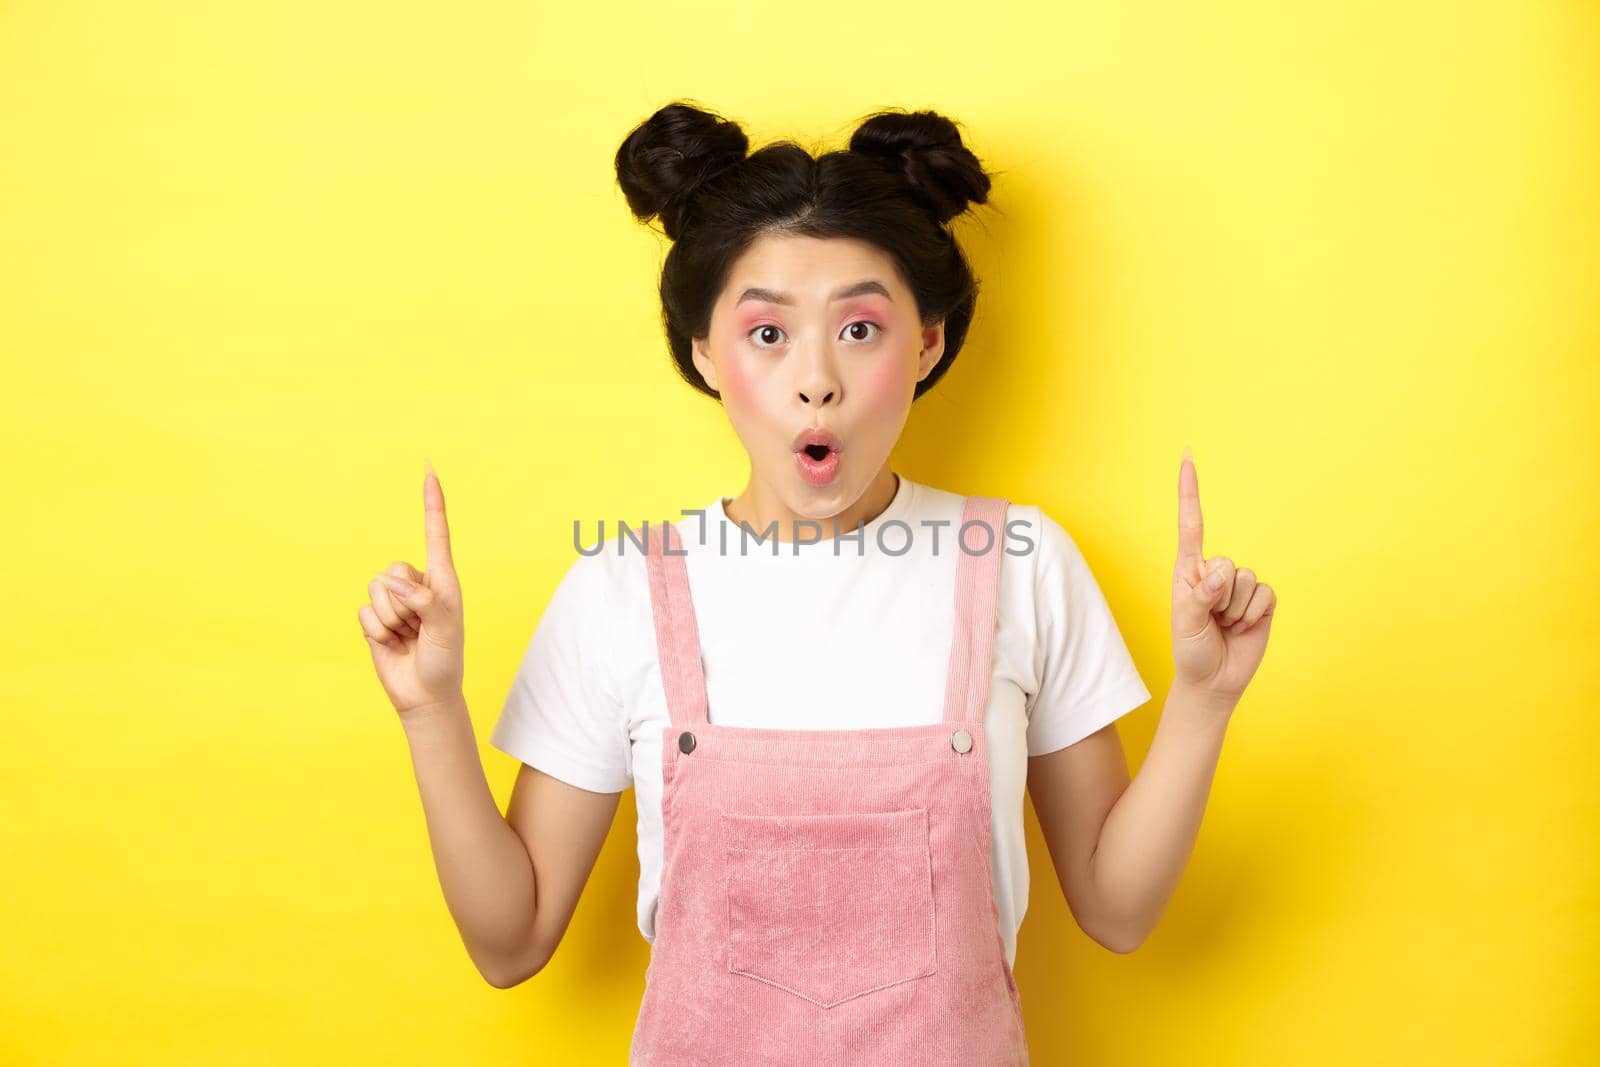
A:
826, 895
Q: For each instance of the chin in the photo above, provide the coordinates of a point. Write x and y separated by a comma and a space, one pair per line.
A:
825, 501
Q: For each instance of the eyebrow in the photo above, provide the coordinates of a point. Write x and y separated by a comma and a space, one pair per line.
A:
772, 296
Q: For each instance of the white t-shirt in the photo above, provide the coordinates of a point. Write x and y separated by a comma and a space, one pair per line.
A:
825, 635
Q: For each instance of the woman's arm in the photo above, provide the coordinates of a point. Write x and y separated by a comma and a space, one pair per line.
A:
1119, 848
511, 883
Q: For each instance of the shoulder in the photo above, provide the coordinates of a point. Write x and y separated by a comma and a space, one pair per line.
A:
602, 566
1033, 539
1034, 531
608, 564
931, 504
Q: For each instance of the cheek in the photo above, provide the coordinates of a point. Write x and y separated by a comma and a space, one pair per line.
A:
743, 380
733, 382
743, 397
886, 384
733, 371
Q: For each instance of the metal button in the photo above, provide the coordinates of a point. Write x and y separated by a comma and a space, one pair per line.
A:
686, 742
961, 741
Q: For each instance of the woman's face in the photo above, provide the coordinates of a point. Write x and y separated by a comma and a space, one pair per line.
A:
816, 333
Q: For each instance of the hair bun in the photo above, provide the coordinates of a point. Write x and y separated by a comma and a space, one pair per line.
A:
670, 154
925, 147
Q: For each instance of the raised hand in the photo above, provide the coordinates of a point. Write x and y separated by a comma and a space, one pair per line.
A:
1221, 614
413, 624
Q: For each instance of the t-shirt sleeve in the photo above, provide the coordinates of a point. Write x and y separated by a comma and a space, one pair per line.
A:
563, 714
1086, 674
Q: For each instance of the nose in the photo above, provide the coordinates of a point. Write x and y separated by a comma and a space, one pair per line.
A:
819, 381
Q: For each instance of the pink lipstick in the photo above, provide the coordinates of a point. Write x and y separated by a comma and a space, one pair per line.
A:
816, 453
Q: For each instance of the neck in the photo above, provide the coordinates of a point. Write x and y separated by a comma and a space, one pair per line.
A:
759, 507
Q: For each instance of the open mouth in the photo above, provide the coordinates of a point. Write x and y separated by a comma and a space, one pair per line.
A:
818, 463
816, 454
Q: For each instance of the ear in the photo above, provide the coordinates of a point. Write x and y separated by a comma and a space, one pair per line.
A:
932, 349
702, 361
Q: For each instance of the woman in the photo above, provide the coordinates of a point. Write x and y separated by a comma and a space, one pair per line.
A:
831, 690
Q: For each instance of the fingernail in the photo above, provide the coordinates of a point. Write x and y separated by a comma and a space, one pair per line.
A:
1214, 581
398, 586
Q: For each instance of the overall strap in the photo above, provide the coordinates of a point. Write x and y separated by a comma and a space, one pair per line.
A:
972, 642
966, 693
677, 639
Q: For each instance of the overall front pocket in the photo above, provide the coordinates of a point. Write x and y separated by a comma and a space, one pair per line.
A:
830, 907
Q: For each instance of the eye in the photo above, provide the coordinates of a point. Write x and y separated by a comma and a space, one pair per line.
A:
762, 330
864, 322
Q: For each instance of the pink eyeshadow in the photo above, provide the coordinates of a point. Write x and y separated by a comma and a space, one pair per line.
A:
873, 309
748, 316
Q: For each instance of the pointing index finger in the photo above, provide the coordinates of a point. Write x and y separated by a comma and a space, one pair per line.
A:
434, 523
1189, 525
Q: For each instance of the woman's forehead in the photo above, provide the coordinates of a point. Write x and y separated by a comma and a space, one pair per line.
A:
810, 269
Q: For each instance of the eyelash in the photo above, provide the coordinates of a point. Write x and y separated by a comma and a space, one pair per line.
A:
857, 322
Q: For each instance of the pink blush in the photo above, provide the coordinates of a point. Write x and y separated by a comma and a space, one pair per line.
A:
884, 381
732, 381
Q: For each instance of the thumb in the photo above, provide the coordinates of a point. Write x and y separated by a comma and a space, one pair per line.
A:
437, 527
1192, 604
440, 625
422, 600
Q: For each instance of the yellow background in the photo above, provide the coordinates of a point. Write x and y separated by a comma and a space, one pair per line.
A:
260, 260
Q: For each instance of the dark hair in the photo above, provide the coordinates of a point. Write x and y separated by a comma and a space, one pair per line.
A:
904, 176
